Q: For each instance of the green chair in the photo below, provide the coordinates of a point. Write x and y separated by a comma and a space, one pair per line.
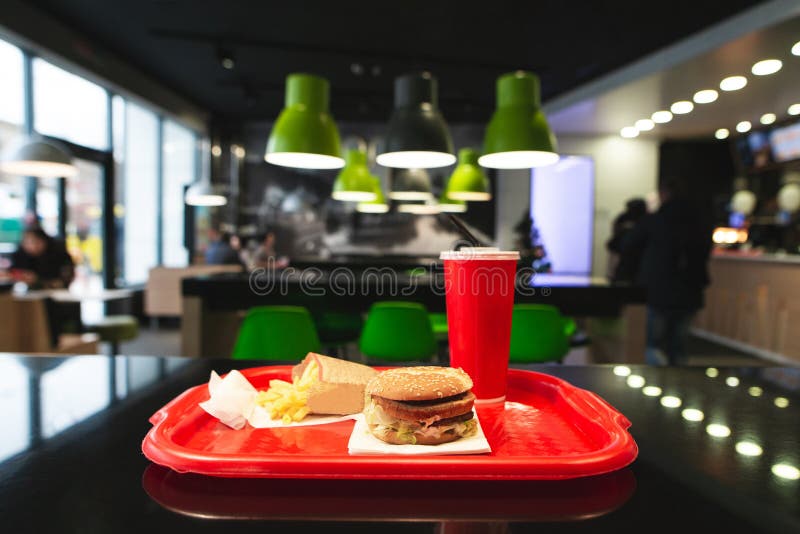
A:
439, 325
276, 333
539, 334
398, 331
114, 329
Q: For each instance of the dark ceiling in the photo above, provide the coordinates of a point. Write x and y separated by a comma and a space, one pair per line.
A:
361, 46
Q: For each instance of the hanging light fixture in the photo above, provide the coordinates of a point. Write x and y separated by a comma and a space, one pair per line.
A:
305, 135
425, 208
410, 184
518, 136
468, 181
378, 205
39, 158
417, 136
204, 194
354, 182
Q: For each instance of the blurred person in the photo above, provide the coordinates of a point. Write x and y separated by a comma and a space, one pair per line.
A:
41, 261
676, 243
265, 254
625, 262
219, 250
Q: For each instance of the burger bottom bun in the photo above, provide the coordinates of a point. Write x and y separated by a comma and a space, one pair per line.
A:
393, 438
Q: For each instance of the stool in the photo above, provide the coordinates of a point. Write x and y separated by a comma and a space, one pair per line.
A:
539, 334
398, 331
114, 329
276, 333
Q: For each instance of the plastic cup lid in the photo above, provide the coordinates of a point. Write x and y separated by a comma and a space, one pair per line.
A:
479, 253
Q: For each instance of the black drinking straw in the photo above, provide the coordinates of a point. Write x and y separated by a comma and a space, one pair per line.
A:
462, 228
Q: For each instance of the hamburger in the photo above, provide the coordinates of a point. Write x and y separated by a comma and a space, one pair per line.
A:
420, 405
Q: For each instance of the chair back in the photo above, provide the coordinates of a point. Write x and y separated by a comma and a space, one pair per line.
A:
539, 334
398, 331
276, 333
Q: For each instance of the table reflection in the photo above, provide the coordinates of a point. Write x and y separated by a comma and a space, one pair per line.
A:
376, 500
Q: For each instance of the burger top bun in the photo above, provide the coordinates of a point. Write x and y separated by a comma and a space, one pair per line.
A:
419, 383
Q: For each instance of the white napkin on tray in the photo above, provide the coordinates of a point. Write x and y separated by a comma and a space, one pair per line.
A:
233, 401
363, 442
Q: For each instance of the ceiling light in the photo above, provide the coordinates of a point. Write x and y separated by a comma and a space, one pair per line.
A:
755, 391
748, 448
712, 372
768, 118
518, 136
644, 125
718, 431
468, 181
661, 117
38, 158
781, 402
417, 136
722, 133
796, 49
794, 109
622, 370
305, 135
743, 127
378, 205
635, 381
692, 414
410, 184
766, 67
733, 83
354, 182
705, 96
226, 58
681, 107
419, 209
204, 194
787, 471
652, 391
732, 381
669, 401
629, 132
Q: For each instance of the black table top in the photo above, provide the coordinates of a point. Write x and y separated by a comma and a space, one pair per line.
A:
70, 461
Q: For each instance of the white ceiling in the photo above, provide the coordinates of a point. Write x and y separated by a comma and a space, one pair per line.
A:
610, 109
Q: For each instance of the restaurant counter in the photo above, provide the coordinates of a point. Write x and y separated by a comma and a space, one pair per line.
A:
753, 304
213, 306
70, 461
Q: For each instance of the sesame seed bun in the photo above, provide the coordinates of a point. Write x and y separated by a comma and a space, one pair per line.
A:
419, 383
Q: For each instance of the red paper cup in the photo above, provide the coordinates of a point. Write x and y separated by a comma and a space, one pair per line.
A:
479, 288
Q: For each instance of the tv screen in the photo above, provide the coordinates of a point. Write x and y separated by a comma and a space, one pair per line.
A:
786, 142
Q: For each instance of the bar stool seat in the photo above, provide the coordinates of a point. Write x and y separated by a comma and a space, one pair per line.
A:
115, 329
398, 331
276, 333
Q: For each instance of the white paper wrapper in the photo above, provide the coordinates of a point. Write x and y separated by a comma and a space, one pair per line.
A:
233, 402
363, 442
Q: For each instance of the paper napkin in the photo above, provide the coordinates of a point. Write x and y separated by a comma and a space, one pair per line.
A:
363, 442
233, 402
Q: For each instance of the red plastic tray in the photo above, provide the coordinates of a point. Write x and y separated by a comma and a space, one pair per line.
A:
547, 429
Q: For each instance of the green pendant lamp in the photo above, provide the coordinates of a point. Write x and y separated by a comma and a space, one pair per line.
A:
410, 184
417, 136
468, 181
378, 205
305, 135
354, 183
424, 208
518, 136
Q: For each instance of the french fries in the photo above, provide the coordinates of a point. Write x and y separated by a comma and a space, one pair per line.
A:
287, 400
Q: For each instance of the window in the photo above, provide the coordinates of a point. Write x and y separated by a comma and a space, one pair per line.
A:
138, 184
69, 107
12, 105
179, 170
